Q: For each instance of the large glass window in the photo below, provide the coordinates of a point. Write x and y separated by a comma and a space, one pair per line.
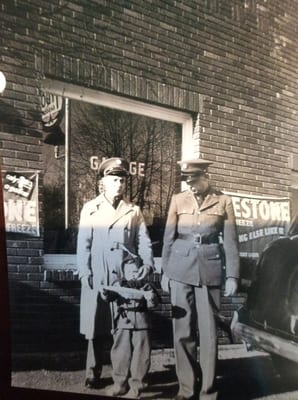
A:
153, 147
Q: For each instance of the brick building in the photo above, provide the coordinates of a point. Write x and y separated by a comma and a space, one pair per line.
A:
224, 72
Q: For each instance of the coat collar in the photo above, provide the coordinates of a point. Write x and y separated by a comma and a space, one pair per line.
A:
211, 198
94, 204
124, 207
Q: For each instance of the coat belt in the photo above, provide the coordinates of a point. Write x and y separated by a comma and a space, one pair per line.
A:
197, 238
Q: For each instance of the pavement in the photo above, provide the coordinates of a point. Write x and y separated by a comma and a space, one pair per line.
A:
241, 375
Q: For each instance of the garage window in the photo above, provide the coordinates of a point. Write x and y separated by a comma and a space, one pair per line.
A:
97, 126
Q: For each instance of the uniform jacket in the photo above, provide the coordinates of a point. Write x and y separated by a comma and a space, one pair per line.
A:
101, 228
187, 262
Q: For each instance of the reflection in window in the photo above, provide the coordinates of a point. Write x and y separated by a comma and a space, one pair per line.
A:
152, 146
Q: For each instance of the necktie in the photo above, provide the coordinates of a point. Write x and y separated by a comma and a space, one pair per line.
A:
116, 201
200, 199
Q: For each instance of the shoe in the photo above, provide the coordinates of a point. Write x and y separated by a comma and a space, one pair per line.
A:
181, 397
134, 393
208, 396
117, 390
93, 383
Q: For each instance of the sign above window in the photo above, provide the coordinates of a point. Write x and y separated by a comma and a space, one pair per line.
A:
135, 168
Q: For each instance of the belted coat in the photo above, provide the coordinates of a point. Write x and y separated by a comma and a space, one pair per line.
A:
187, 261
101, 228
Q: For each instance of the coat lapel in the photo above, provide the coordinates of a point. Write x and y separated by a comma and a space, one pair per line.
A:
210, 200
96, 203
123, 208
190, 201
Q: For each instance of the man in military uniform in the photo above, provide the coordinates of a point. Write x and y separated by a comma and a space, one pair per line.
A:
107, 223
200, 238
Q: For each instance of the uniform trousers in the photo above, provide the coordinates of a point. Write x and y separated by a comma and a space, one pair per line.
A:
194, 308
130, 357
94, 360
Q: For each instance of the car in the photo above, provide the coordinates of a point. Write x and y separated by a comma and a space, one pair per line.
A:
269, 319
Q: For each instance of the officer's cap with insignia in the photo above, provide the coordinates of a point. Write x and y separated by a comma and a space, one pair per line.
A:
191, 169
114, 166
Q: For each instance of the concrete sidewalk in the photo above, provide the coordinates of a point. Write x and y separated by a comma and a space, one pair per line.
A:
250, 369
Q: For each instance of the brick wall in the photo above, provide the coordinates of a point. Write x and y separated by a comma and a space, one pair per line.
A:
231, 63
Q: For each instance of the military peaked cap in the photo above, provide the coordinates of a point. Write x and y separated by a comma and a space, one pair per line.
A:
193, 168
114, 166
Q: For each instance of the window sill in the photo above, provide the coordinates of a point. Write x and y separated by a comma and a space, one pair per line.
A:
60, 275
60, 261
63, 267
60, 267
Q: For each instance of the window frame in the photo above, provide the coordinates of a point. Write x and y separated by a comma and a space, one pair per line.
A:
74, 92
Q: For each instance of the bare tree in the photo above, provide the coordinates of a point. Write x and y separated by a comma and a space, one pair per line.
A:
106, 132
103, 132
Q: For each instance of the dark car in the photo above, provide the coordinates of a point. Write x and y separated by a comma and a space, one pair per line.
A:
269, 320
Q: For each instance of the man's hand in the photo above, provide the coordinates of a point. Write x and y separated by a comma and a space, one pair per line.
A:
108, 295
130, 272
165, 283
151, 299
87, 281
143, 272
231, 287
149, 295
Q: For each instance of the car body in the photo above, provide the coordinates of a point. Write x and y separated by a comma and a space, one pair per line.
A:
269, 320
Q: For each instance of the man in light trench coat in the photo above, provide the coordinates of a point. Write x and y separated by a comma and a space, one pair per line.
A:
105, 222
199, 219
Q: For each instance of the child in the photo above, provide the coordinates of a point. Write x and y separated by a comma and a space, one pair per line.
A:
131, 350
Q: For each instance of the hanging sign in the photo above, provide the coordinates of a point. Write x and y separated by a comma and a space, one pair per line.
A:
20, 192
52, 110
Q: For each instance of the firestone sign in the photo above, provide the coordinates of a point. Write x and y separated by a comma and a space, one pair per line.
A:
259, 220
